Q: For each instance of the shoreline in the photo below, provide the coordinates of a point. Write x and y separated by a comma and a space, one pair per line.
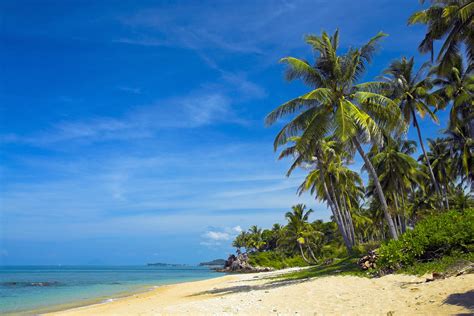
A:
264, 293
105, 298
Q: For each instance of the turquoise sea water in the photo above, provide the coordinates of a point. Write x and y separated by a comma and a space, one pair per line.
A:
33, 289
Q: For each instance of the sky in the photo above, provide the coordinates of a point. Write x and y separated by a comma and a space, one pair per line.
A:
132, 131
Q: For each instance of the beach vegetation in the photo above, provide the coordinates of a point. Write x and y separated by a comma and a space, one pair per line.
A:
414, 197
434, 237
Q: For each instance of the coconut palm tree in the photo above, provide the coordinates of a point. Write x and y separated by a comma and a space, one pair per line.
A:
352, 113
450, 21
317, 156
411, 90
398, 172
241, 241
462, 148
255, 240
456, 86
299, 231
460, 200
439, 156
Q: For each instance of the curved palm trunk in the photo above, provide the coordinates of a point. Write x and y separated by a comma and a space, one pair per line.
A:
340, 219
404, 210
433, 179
333, 207
349, 222
446, 191
302, 254
312, 254
399, 218
378, 187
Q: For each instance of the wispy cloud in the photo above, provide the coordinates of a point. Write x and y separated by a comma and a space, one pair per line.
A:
267, 30
198, 109
216, 237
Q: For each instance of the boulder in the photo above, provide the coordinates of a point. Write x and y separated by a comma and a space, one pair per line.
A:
240, 264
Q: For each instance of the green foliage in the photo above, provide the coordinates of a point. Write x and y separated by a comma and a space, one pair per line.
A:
344, 266
441, 265
433, 237
274, 259
333, 251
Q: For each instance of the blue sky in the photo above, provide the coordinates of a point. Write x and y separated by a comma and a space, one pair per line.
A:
132, 131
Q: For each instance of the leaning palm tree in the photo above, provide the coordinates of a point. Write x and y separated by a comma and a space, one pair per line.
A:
412, 92
352, 113
451, 21
317, 157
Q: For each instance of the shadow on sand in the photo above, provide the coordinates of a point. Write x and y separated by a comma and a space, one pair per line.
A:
462, 299
248, 288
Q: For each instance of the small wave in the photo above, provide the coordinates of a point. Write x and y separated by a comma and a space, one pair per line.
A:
28, 284
109, 300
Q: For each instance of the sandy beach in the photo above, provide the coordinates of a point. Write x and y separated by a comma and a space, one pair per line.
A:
262, 294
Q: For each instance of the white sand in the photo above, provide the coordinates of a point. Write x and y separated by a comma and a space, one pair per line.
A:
257, 294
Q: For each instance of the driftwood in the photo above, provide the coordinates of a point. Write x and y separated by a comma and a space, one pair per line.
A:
368, 261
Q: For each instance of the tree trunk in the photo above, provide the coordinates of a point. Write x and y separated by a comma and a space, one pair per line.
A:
332, 205
302, 254
334, 210
312, 254
433, 179
404, 212
446, 191
350, 224
343, 229
378, 187
400, 225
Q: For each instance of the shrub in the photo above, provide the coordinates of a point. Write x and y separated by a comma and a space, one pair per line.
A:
432, 238
332, 250
274, 259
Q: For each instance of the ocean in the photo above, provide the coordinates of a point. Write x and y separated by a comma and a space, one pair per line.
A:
27, 290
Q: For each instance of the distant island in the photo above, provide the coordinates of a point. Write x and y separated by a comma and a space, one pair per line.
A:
160, 264
213, 263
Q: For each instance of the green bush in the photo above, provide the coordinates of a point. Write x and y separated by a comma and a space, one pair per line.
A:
332, 250
276, 260
432, 238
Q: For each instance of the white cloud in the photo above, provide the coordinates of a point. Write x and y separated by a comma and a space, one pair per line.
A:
237, 229
216, 236
193, 111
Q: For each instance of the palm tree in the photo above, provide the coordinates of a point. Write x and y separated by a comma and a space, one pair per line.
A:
456, 85
352, 113
440, 158
411, 91
241, 241
298, 231
317, 156
460, 200
255, 240
451, 21
398, 172
462, 147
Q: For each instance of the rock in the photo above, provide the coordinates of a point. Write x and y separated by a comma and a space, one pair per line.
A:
240, 264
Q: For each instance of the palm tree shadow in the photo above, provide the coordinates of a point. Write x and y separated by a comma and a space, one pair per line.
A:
462, 299
248, 288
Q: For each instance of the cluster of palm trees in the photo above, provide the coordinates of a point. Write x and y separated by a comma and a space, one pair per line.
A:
298, 236
341, 116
